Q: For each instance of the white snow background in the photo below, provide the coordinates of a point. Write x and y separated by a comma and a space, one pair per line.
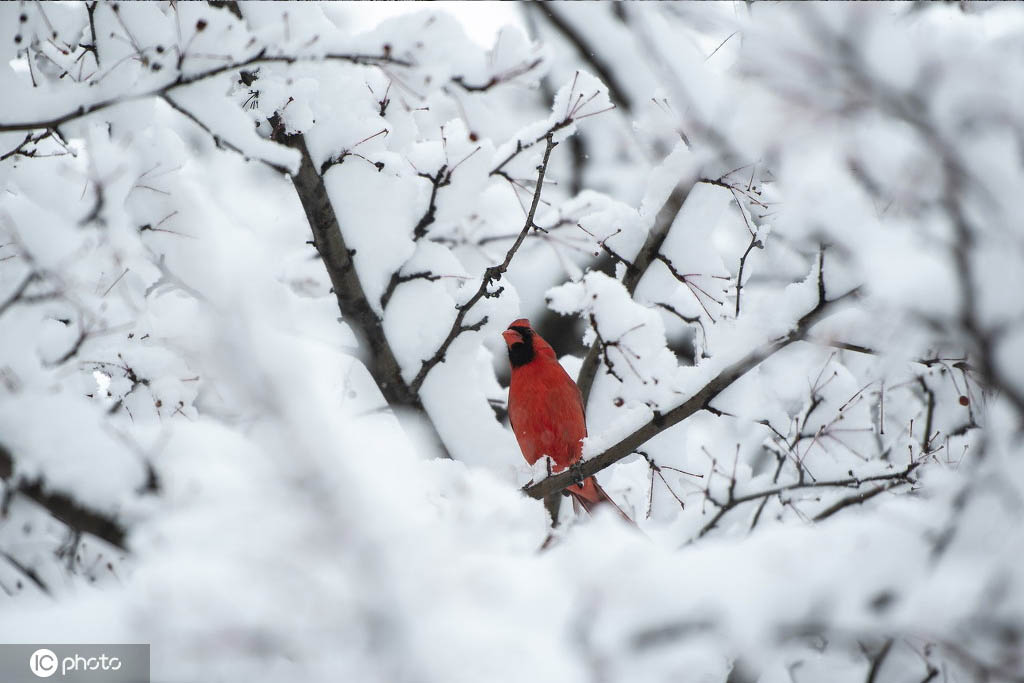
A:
781, 242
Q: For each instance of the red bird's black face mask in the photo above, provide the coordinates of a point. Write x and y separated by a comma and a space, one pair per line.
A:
520, 352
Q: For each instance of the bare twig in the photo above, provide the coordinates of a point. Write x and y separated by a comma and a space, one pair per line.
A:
442, 178
492, 274
754, 242
30, 139
397, 279
28, 572
634, 271
857, 498
587, 52
697, 402
497, 79
891, 479
76, 346
877, 660
19, 292
523, 146
90, 7
182, 80
217, 139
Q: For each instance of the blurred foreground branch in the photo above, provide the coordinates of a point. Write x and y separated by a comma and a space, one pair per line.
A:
62, 506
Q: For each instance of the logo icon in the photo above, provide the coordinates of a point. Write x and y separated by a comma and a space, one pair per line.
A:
43, 663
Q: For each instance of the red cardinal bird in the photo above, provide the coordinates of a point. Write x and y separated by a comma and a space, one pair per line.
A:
545, 409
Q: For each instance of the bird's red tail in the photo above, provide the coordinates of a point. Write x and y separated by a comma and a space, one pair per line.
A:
590, 495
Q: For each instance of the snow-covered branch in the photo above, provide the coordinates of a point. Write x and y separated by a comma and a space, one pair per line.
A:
183, 80
698, 401
634, 270
492, 274
61, 505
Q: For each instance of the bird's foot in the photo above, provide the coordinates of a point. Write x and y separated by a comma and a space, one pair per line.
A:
577, 473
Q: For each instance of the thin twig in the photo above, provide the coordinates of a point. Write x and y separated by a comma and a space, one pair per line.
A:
697, 402
492, 274
182, 80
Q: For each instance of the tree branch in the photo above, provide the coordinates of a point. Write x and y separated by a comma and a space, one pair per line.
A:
857, 499
182, 80
754, 242
348, 290
588, 53
30, 573
523, 146
492, 274
442, 178
30, 139
697, 402
217, 140
19, 292
62, 506
634, 271
891, 479
498, 79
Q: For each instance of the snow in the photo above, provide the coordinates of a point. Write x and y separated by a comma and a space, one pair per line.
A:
173, 357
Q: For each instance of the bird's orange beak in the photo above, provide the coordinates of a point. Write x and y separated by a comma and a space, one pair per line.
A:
512, 337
